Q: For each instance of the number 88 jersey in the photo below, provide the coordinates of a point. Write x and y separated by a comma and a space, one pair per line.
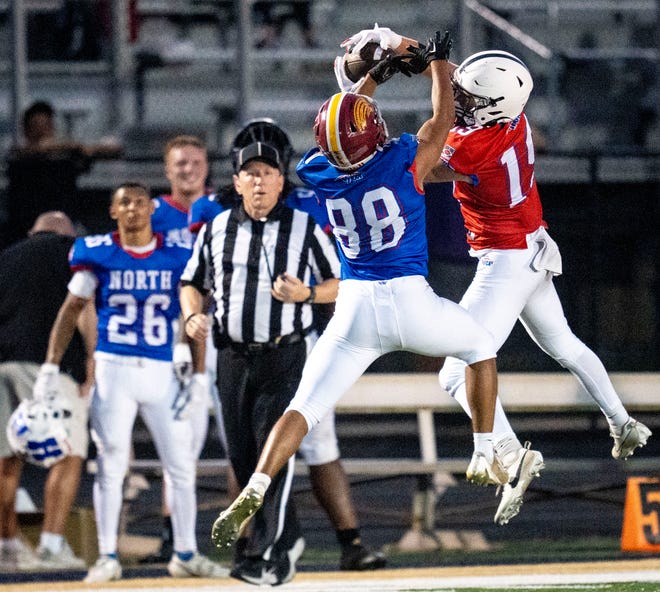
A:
504, 206
136, 294
377, 212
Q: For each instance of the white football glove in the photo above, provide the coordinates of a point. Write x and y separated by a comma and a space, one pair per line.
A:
345, 84
199, 389
385, 37
47, 386
182, 361
190, 396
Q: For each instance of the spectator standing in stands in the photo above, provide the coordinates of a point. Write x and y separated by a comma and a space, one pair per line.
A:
43, 172
320, 447
34, 274
133, 275
258, 259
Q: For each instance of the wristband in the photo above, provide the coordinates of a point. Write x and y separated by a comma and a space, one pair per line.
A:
312, 295
185, 323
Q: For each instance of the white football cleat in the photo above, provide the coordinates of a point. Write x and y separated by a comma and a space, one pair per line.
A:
482, 472
528, 465
198, 566
293, 554
634, 434
106, 569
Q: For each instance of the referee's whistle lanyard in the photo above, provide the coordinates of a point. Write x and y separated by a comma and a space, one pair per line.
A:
258, 228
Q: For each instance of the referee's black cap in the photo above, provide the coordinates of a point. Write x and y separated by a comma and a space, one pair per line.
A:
257, 151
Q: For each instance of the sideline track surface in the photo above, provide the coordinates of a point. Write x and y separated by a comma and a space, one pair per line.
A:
392, 580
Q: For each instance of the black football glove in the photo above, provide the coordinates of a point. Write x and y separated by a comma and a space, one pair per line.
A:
416, 62
438, 48
385, 69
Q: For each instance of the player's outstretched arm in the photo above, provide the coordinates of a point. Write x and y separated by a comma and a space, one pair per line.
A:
365, 86
384, 36
433, 132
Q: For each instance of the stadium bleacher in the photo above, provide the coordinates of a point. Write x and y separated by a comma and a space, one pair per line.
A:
198, 43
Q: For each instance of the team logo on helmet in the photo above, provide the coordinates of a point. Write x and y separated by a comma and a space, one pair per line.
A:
362, 111
349, 130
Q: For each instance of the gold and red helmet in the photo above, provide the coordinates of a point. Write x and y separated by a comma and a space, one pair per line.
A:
349, 130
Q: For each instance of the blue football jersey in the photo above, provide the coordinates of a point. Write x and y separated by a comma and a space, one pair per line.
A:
377, 214
137, 298
171, 220
202, 211
302, 198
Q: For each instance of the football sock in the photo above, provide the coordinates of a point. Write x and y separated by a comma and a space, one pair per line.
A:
483, 443
52, 542
348, 537
260, 482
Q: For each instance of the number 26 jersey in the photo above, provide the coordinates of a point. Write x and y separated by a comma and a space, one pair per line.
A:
136, 294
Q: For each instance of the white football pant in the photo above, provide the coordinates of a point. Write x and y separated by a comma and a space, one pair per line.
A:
126, 386
373, 318
506, 288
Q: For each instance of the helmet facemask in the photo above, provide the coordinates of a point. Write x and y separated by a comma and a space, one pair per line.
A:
466, 104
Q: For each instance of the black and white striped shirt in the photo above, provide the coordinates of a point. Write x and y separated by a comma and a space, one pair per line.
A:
237, 259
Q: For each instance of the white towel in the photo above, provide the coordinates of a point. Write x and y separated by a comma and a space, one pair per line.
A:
547, 257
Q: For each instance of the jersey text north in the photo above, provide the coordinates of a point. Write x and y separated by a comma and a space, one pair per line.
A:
140, 279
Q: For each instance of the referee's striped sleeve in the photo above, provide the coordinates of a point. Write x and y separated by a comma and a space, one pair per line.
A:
196, 273
324, 254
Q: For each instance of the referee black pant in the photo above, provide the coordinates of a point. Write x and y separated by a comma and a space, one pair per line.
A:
255, 388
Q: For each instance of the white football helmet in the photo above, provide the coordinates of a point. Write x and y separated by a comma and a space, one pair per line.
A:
38, 431
490, 87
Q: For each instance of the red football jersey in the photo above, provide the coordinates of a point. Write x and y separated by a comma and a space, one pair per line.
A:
505, 205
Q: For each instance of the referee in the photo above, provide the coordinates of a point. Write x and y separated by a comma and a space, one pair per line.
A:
264, 264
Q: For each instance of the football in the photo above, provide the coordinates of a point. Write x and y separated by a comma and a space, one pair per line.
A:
356, 65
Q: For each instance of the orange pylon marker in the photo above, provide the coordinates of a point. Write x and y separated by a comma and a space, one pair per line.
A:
641, 515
